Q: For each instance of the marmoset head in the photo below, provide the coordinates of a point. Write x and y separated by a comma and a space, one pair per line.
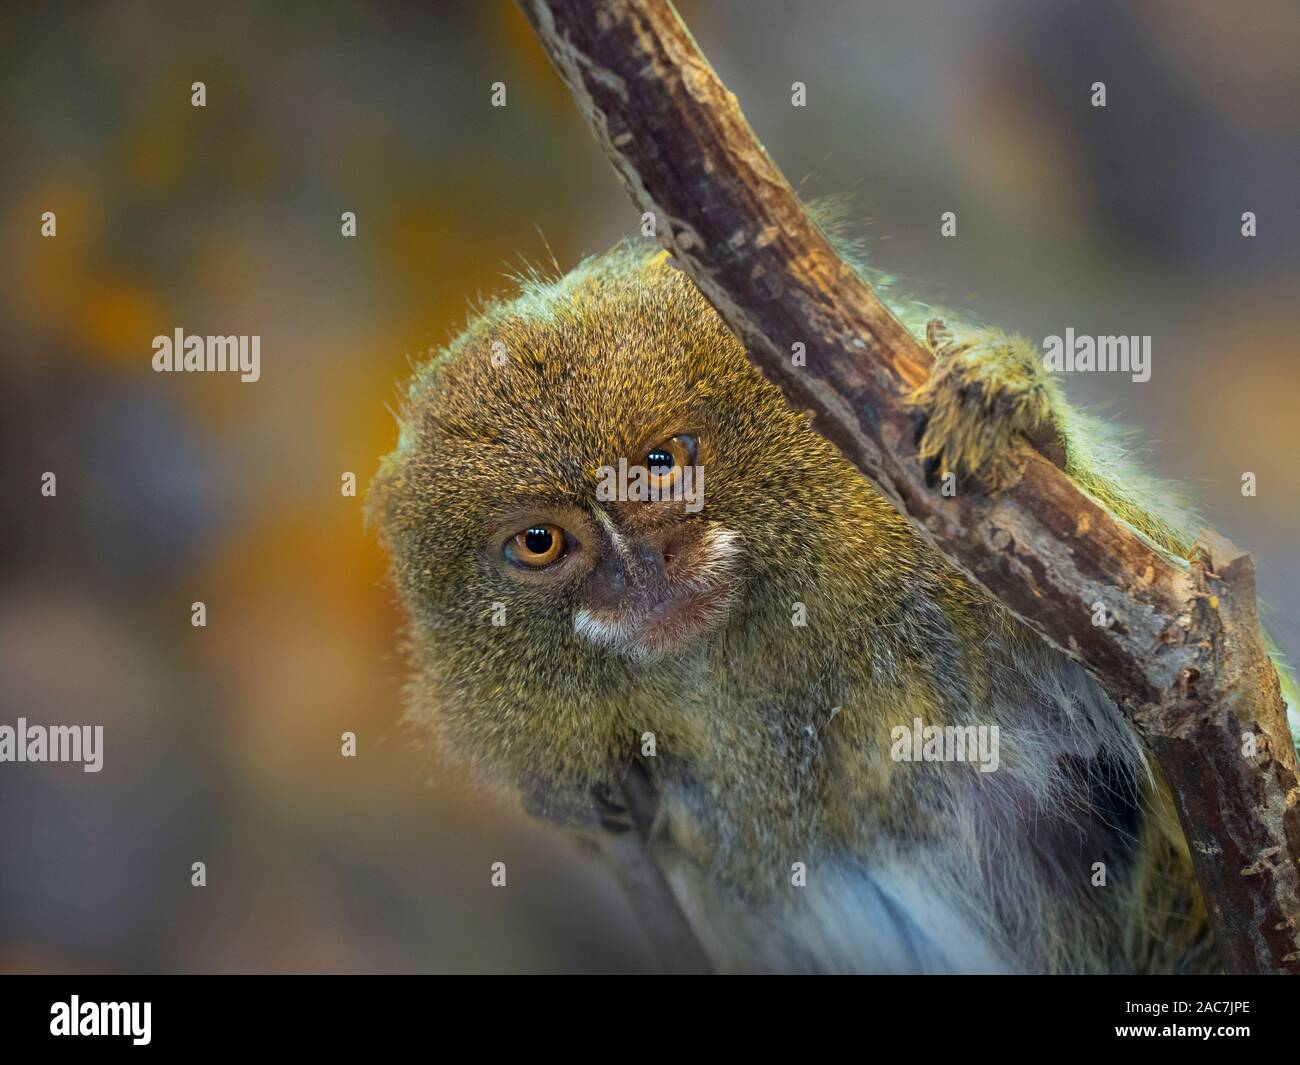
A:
595, 495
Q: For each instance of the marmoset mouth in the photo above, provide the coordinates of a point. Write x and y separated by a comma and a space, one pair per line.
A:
647, 624
667, 627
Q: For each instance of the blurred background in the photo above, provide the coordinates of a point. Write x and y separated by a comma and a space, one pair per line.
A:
222, 743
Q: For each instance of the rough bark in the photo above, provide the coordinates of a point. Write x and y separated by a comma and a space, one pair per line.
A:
1183, 654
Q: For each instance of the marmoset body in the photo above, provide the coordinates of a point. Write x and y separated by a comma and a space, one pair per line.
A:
780, 646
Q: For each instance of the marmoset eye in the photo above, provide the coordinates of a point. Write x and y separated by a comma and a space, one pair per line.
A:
664, 463
536, 546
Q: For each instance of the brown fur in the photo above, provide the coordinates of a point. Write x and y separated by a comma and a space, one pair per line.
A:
773, 740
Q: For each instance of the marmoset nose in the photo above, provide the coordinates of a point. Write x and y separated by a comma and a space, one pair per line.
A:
633, 570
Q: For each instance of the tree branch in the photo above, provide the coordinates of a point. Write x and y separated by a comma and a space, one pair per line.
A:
1183, 655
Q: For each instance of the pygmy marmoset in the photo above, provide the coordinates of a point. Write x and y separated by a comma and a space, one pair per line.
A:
772, 640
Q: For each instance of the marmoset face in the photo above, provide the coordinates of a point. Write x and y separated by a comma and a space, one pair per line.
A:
603, 465
602, 519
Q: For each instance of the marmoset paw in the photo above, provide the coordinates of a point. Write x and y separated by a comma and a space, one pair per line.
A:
985, 391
